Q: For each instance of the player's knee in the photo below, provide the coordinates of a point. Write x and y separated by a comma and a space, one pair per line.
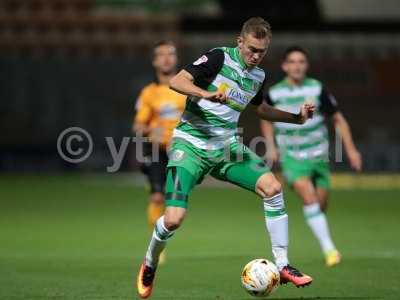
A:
305, 189
268, 186
157, 198
272, 189
173, 221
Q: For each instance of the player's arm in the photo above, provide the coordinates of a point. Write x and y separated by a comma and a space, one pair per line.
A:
343, 127
267, 130
267, 112
183, 83
140, 128
143, 115
272, 114
330, 108
206, 67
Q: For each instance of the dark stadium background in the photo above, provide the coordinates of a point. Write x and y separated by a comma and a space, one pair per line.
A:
82, 63
75, 232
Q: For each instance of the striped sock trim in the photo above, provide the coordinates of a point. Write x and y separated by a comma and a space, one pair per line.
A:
274, 213
273, 197
160, 232
313, 215
274, 206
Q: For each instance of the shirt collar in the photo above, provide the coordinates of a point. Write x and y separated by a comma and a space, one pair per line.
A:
293, 86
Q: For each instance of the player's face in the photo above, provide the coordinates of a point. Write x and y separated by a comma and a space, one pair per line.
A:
295, 66
252, 49
165, 59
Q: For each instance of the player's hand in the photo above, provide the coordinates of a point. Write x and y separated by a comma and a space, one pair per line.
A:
272, 156
217, 96
355, 160
306, 112
141, 129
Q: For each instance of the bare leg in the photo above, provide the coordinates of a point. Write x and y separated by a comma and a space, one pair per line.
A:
323, 196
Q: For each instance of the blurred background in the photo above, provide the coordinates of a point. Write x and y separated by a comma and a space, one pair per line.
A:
82, 63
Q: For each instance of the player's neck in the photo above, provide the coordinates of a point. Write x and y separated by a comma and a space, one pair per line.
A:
294, 82
164, 78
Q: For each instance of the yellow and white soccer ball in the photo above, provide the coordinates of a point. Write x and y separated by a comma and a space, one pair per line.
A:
260, 277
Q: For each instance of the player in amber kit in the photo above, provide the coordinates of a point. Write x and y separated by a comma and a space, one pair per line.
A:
158, 112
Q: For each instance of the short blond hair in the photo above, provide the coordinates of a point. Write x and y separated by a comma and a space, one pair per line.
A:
258, 27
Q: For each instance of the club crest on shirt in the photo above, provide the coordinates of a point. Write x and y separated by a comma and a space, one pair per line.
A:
177, 155
256, 86
201, 60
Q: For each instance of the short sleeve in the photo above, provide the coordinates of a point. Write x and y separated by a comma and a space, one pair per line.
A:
258, 98
207, 66
328, 103
143, 108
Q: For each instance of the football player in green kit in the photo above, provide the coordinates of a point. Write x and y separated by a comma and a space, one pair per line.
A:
219, 85
303, 149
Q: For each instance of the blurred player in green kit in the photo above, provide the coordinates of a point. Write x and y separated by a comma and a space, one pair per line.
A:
303, 149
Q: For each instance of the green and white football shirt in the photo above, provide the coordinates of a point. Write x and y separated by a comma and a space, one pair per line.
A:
210, 125
309, 140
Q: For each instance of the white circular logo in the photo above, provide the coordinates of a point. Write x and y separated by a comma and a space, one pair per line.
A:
64, 145
177, 155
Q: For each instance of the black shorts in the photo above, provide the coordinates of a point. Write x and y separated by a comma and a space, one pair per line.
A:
154, 167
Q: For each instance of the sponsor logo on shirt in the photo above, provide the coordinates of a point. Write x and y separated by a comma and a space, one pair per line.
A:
169, 112
238, 96
234, 94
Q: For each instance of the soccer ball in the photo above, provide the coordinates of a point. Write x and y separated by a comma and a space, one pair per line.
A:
260, 277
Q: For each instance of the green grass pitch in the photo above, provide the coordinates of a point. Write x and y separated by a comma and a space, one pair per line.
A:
77, 237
